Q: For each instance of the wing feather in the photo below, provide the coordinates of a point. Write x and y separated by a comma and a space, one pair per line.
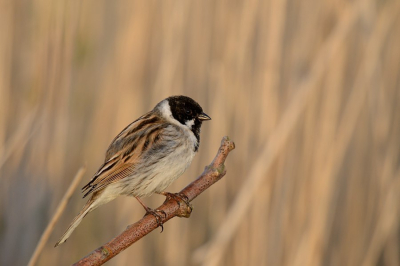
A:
126, 150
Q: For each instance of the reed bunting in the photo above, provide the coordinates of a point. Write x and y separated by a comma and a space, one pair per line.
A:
147, 156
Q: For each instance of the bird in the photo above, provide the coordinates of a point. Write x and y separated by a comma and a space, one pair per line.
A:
146, 157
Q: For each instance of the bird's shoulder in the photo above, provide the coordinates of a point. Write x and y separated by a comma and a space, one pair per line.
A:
140, 135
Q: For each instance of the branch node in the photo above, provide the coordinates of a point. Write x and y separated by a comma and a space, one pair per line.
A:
105, 252
184, 211
219, 170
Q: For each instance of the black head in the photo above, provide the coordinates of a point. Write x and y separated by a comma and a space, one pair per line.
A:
188, 112
185, 109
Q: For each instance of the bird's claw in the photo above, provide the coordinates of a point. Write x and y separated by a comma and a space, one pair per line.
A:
159, 218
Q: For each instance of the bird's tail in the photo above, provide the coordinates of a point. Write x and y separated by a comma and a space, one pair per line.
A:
90, 206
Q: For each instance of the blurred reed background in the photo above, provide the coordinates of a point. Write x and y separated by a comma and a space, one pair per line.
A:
309, 90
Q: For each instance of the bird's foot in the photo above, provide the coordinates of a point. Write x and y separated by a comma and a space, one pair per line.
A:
159, 215
179, 198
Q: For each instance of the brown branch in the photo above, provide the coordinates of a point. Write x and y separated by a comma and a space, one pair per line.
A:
212, 173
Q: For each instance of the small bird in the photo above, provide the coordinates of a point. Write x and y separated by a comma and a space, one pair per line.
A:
147, 156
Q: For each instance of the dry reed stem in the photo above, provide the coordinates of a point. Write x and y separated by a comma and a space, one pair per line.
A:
20, 137
211, 253
212, 173
60, 209
386, 223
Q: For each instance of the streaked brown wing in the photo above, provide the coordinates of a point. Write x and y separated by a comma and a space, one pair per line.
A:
125, 151
108, 175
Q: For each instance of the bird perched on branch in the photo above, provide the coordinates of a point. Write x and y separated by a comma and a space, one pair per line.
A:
147, 156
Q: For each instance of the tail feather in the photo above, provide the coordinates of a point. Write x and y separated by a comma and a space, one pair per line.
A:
77, 220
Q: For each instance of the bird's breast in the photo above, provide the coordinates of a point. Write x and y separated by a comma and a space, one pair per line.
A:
161, 167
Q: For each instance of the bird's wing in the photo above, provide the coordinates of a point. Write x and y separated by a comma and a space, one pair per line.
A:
143, 136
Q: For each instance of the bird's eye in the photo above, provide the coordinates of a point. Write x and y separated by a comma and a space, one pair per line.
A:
188, 112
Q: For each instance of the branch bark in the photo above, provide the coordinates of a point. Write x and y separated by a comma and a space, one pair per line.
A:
212, 173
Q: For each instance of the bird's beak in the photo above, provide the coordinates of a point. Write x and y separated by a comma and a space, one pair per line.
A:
203, 117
